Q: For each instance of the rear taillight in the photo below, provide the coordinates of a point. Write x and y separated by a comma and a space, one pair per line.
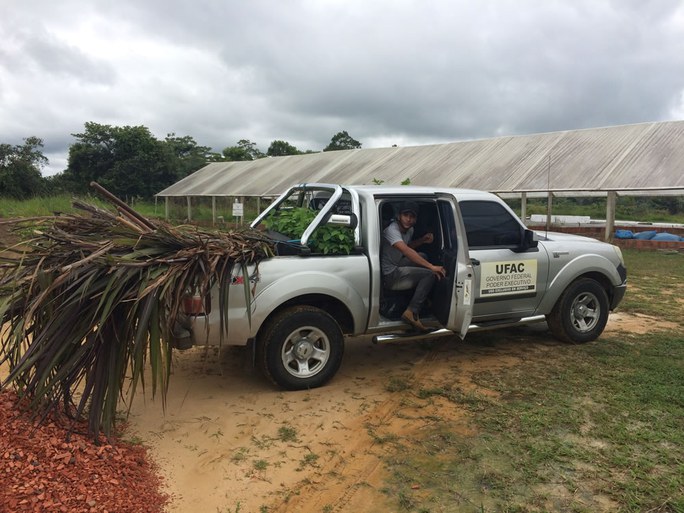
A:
196, 305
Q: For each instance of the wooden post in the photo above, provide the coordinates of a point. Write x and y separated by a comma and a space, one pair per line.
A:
213, 210
549, 208
611, 203
166, 208
189, 200
523, 206
258, 205
123, 208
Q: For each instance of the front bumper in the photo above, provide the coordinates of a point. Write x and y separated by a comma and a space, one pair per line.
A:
618, 295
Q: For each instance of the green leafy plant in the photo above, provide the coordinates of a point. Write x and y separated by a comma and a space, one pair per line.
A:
287, 433
327, 239
333, 240
309, 460
290, 222
260, 464
378, 181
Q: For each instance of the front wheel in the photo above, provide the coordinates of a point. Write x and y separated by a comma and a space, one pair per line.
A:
301, 348
581, 313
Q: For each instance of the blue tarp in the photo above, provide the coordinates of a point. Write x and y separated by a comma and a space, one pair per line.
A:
624, 234
666, 236
648, 235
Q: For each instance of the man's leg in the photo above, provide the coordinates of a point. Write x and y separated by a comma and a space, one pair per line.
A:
427, 280
422, 280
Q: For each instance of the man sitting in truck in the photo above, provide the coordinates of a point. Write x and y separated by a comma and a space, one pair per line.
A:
400, 262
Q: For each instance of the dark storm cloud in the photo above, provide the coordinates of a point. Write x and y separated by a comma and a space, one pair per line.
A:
403, 71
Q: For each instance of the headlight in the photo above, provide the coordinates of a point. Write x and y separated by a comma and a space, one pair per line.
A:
618, 252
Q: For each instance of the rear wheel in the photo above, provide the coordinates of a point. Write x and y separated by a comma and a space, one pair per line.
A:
301, 348
581, 313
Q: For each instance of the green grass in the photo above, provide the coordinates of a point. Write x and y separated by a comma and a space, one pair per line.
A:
287, 434
201, 208
50, 205
40, 206
260, 465
655, 284
597, 427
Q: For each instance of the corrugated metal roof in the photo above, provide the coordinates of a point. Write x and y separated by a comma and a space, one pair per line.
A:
642, 156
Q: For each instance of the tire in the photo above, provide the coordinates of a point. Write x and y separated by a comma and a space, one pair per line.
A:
581, 313
301, 348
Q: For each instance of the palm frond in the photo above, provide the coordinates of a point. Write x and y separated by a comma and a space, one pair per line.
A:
90, 300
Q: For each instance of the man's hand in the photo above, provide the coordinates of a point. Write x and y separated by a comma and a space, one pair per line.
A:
427, 238
439, 271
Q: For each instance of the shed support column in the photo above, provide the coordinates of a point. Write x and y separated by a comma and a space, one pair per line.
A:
549, 208
258, 205
166, 208
189, 200
523, 206
213, 210
611, 203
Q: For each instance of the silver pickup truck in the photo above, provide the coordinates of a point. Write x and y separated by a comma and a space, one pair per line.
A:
325, 283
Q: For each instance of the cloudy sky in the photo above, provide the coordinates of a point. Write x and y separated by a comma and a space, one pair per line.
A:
403, 72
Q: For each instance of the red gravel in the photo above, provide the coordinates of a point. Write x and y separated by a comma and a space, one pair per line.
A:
42, 469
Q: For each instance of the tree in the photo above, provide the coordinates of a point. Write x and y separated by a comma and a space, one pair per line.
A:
244, 150
342, 141
128, 161
281, 148
20, 166
190, 155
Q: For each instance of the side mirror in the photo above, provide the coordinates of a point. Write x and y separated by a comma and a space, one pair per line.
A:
530, 239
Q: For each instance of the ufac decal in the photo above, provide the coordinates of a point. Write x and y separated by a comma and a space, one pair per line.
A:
509, 277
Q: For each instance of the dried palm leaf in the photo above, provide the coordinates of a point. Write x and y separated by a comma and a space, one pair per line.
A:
90, 300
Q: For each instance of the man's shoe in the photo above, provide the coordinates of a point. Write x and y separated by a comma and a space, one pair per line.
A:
413, 320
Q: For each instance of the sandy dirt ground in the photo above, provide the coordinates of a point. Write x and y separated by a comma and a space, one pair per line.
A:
229, 441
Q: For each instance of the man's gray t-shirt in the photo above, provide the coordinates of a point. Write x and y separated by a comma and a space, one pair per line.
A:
391, 256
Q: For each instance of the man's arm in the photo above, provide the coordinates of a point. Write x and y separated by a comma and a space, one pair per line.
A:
414, 257
425, 239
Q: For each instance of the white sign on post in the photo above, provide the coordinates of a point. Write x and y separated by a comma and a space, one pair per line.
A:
238, 209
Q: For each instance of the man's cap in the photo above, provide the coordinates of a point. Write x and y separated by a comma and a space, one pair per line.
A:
409, 206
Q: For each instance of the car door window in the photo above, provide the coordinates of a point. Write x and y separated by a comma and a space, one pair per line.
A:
489, 225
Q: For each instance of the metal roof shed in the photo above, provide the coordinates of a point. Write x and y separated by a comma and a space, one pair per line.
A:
646, 158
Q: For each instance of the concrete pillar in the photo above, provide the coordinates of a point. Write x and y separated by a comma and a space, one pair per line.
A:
523, 206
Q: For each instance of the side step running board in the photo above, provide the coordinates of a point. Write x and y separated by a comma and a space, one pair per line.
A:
404, 335
473, 328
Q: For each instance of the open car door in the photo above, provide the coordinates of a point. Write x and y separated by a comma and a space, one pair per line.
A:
452, 299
